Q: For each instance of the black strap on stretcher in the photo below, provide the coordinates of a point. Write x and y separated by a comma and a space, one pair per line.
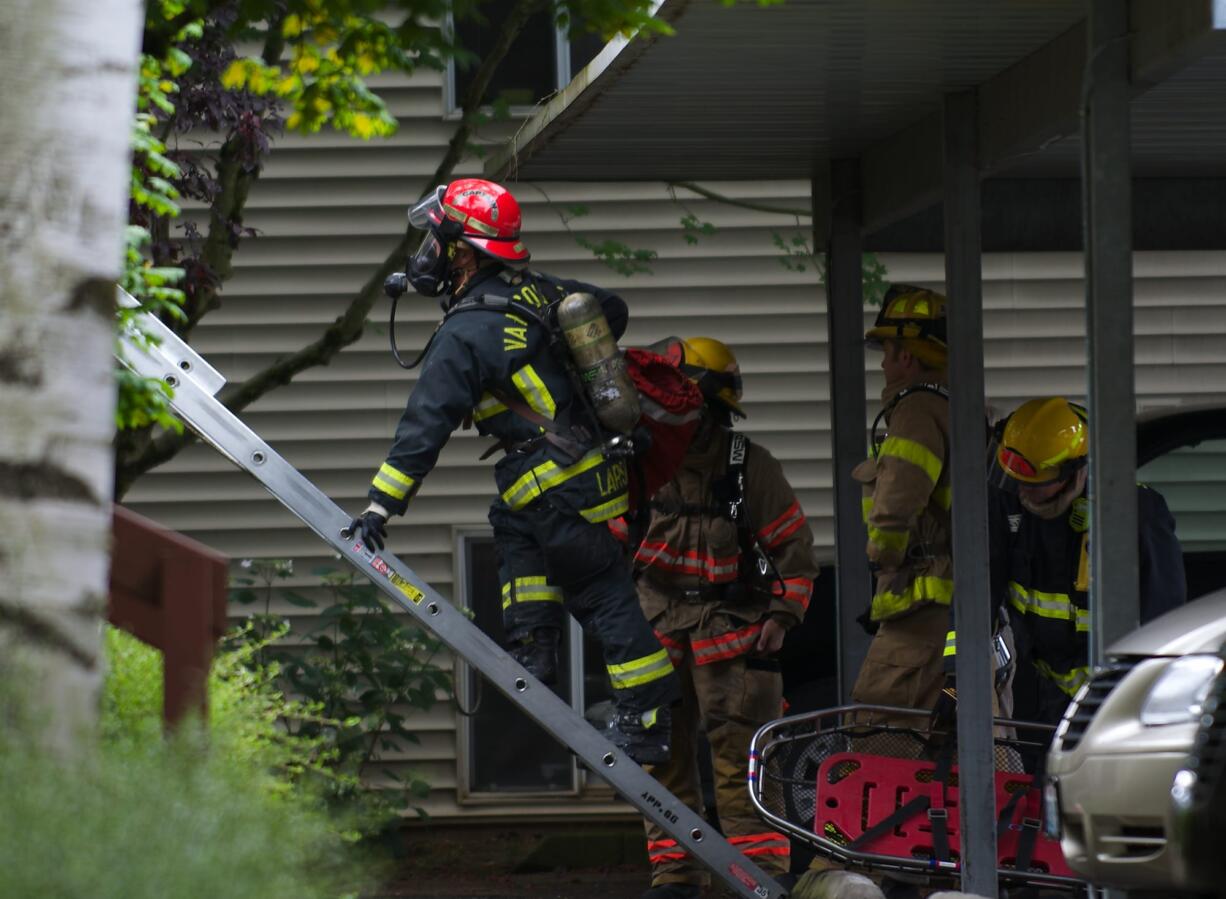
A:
934, 804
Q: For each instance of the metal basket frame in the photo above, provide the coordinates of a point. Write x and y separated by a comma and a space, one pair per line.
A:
832, 725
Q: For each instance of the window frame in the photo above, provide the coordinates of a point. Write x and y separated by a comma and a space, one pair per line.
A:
465, 678
561, 55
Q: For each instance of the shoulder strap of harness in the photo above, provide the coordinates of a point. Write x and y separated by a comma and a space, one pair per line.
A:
922, 387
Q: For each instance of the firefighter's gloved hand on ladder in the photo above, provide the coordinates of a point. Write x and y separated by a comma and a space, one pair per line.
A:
370, 527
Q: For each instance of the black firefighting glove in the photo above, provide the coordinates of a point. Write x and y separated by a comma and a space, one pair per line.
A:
370, 527
945, 712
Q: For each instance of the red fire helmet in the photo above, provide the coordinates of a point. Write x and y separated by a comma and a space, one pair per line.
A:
486, 212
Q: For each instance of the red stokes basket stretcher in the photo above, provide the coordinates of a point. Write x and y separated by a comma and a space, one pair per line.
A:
882, 797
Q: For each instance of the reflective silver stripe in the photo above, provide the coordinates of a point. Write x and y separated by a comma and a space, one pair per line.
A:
1059, 606
640, 671
546, 476
534, 588
488, 407
619, 505
534, 391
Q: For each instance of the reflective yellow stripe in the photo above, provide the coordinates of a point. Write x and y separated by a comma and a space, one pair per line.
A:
866, 507
943, 496
951, 643
887, 604
640, 671
546, 476
534, 391
530, 589
488, 407
915, 453
618, 505
1048, 605
393, 482
889, 539
1069, 681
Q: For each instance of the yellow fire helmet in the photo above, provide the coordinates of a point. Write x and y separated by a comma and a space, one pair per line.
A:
1044, 440
915, 316
711, 365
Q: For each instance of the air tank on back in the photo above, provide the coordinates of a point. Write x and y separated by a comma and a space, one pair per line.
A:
601, 365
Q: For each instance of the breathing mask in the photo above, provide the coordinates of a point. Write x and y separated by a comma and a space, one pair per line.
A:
428, 269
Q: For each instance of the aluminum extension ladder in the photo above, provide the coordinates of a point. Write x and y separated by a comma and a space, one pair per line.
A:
196, 384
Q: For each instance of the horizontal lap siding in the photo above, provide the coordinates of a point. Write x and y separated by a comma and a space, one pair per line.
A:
329, 209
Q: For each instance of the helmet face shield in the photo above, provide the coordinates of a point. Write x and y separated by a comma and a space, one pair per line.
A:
428, 213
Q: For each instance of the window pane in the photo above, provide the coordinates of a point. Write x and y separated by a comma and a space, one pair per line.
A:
529, 71
583, 49
508, 751
1192, 479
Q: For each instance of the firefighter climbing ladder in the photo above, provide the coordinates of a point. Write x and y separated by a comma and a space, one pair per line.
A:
196, 384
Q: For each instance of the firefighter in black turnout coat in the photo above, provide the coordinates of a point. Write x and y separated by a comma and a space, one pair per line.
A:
492, 360
1040, 542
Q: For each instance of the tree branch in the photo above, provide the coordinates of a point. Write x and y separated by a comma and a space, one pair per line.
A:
139, 451
744, 204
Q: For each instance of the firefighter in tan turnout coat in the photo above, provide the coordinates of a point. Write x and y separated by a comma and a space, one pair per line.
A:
906, 506
724, 568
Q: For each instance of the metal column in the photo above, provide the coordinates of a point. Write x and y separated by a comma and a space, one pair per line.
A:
970, 497
845, 339
1107, 187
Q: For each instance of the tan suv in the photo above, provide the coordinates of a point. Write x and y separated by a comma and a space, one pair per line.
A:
1122, 750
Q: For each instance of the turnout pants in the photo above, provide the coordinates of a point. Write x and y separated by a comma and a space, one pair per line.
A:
553, 561
732, 700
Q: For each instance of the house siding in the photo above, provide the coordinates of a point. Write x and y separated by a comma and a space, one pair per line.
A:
328, 209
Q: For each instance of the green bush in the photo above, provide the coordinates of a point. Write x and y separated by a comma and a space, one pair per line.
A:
229, 810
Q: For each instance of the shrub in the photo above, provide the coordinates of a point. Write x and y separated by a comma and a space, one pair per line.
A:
225, 811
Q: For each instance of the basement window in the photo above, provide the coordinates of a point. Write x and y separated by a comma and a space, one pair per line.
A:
505, 756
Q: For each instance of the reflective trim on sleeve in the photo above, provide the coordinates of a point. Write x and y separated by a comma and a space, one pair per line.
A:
488, 407
798, 590
619, 529
725, 646
546, 476
534, 588
866, 508
534, 391
1048, 605
886, 539
944, 497
393, 482
888, 604
614, 508
782, 527
915, 453
637, 672
1068, 681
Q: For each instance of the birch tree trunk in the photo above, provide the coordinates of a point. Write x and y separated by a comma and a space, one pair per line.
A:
68, 73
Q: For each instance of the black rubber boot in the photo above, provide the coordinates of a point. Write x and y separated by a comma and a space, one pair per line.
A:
673, 891
538, 652
644, 736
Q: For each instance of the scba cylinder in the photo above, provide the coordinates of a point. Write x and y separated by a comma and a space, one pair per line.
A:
602, 368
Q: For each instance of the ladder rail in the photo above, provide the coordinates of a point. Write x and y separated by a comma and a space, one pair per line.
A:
196, 383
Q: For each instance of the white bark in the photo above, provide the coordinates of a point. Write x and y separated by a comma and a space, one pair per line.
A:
68, 73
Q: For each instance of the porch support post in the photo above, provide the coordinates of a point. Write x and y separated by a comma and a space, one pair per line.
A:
968, 479
845, 330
